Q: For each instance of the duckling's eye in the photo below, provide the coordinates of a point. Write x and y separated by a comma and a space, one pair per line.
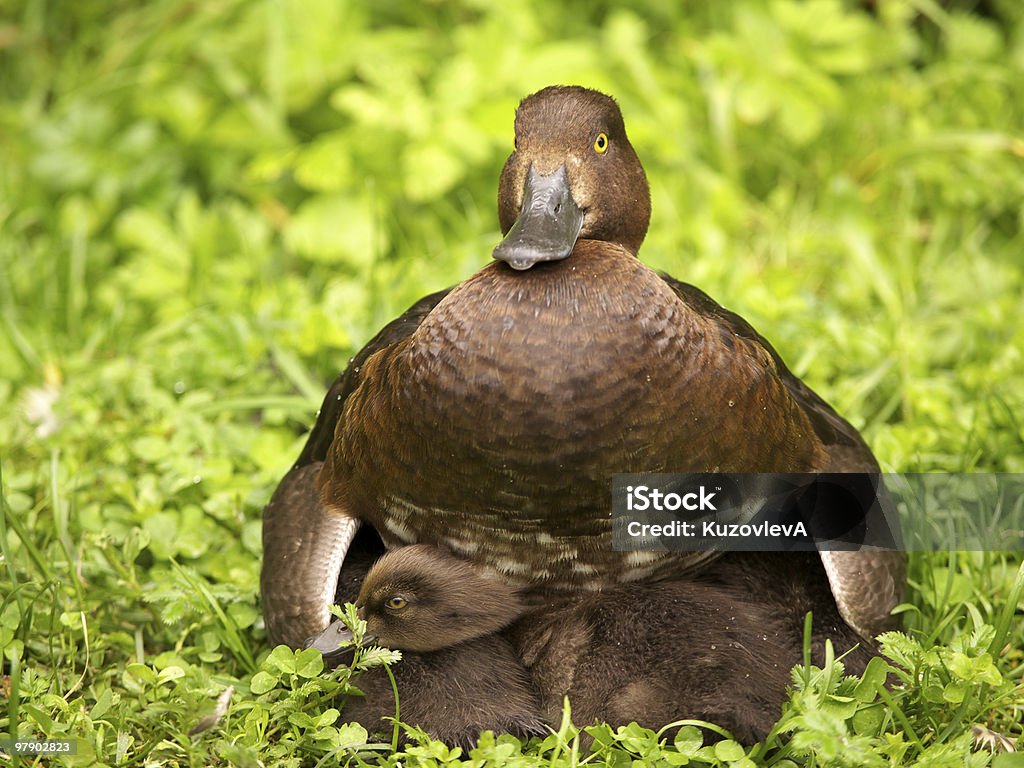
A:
601, 143
396, 603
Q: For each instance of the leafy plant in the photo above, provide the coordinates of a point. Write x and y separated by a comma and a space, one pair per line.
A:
205, 209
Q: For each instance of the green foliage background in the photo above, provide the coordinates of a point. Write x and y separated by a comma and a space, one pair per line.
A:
205, 208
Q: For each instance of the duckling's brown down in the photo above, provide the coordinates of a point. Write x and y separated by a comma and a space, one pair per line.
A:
456, 677
646, 653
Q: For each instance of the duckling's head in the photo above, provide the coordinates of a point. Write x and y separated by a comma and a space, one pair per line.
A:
573, 175
419, 598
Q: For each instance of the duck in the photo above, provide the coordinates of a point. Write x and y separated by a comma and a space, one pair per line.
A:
457, 676
489, 418
646, 653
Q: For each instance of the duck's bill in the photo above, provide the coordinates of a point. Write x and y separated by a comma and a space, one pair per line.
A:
334, 641
548, 225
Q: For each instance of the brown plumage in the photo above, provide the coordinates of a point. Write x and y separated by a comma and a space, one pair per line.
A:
649, 653
489, 419
453, 694
419, 599
456, 678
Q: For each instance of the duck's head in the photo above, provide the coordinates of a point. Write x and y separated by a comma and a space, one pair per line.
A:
573, 175
419, 598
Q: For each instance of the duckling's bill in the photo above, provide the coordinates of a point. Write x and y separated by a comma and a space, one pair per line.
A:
334, 641
549, 222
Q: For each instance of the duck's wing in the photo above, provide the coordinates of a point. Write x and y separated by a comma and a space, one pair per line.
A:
322, 435
844, 446
866, 584
304, 542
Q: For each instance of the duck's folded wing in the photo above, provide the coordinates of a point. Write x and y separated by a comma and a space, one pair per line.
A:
305, 542
836, 434
866, 584
322, 435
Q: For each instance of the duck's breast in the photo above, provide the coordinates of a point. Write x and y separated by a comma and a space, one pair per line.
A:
504, 415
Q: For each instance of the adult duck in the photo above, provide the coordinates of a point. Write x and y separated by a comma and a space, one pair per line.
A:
489, 418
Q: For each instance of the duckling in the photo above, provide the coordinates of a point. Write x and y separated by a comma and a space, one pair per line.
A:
687, 648
457, 676
489, 418
646, 653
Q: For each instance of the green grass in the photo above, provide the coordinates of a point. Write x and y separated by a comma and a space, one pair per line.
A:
206, 208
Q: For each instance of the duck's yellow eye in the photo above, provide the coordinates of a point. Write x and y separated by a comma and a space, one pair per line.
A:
396, 603
601, 143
